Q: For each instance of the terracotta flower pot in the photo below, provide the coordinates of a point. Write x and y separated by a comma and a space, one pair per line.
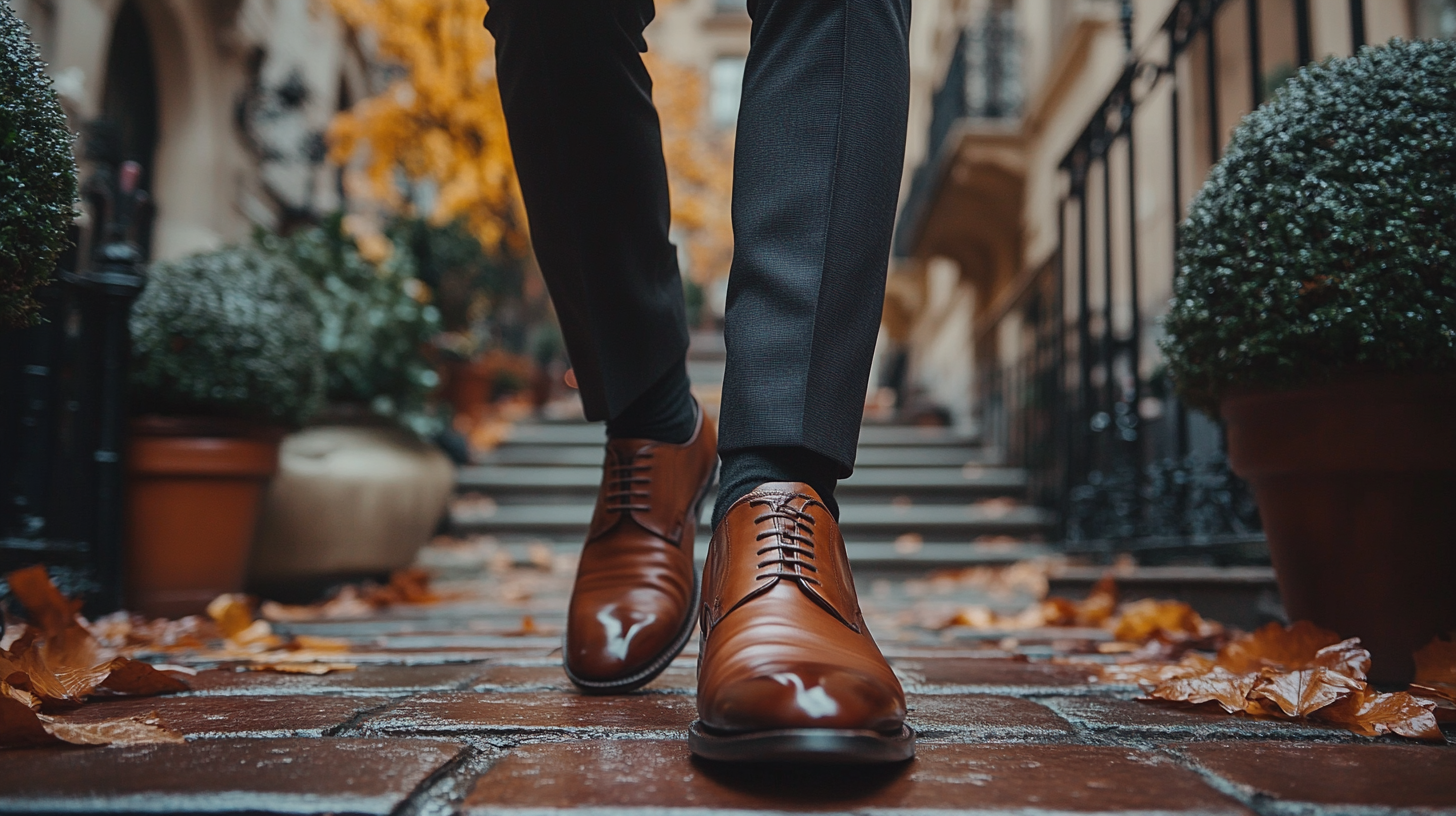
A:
193, 494
1356, 484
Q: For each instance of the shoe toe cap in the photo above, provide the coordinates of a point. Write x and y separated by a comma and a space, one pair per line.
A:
805, 696
610, 639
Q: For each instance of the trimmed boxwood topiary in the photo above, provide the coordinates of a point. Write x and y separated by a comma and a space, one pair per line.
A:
1324, 241
375, 320
229, 334
37, 174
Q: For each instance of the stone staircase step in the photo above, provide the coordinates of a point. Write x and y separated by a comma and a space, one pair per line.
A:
869, 457
1246, 597
868, 556
555, 485
939, 522
592, 435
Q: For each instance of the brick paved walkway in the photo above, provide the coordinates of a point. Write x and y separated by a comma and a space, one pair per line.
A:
453, 710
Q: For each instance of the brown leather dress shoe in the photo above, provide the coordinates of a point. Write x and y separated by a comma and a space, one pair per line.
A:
636, 592
788, 669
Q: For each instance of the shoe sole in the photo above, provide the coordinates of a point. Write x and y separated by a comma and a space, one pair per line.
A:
804, 745
664, 658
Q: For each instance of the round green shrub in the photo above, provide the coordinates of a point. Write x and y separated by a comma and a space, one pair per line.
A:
37, 174
229, 334
1324, 241
376, 320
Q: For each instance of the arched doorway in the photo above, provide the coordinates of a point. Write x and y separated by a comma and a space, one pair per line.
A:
127, 130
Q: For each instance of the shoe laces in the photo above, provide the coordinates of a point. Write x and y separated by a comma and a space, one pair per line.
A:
788, 553
629, 481
790, 545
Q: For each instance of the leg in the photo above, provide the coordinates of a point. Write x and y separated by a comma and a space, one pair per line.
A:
821, 143
788, 669
588, 150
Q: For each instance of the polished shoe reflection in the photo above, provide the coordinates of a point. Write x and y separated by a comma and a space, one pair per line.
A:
636, 591
788, 668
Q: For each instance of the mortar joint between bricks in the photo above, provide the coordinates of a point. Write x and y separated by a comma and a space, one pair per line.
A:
444, 791
350, 727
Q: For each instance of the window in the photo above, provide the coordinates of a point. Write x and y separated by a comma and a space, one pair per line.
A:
1435, 19
725, 90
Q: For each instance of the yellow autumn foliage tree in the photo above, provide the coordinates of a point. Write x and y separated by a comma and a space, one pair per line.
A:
440, 121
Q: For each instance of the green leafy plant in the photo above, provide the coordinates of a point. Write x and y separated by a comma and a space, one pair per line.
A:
1324, 241
376, 320
37, 174
466, 279
229, 334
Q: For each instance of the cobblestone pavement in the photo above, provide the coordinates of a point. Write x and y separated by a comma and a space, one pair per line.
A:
462, 707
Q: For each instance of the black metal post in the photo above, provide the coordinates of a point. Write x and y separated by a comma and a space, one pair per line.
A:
1110, 382
1177, 148
1084, 301
1135, 330
1215, 141
1303, 39
1256, 55
107, 289
1061, 410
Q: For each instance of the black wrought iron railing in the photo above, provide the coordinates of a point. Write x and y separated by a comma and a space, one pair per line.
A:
63, 403
1085, 405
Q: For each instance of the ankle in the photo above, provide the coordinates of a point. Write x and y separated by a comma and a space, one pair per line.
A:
744, 470
665, 412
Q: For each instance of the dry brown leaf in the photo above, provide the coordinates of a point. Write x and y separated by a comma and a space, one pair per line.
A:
20, 724
1436, 669
319, 644
301, 668
1301, 693
138, 679
143, 729
1169, 621
233, 614
1216, 685
975, 617
25, 668
61, 661
79, 662
49, 609
23, 726
1278, 647
407, 586
19, 695
132, 633
1100, 603
1055, 612
1347, 657
1153, 674
1372, 714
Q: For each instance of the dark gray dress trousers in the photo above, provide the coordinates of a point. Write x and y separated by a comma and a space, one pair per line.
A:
820, 146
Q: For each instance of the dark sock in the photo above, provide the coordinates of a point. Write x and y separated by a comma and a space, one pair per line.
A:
665, 412
744, 470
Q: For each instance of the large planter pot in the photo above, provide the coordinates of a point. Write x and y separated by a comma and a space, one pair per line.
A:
1356, 484
192, 504
349, 502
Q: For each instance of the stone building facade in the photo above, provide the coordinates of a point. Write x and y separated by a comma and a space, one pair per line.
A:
223, 102
1062, 143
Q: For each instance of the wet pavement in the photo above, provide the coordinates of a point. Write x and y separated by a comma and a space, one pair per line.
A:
461, 707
